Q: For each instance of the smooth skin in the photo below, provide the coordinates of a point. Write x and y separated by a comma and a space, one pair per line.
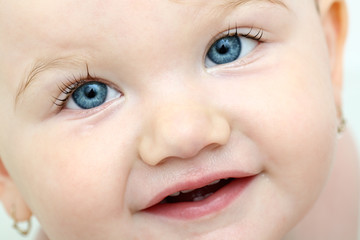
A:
88, 174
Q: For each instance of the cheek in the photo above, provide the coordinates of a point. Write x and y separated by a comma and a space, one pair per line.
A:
75, 176
289, 113
299, 137
297, 134
300, 131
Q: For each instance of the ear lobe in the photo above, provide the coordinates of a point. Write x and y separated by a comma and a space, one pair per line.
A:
11, 198
335, 23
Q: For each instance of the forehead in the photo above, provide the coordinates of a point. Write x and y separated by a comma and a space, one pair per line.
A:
94, 14
75, 23
68, 24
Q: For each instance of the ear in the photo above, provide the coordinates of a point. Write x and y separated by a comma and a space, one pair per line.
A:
11, 197
335, 23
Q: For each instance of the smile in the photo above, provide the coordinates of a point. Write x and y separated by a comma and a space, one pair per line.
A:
195, 195
193, 203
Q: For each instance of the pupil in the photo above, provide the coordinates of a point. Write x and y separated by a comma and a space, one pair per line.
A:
223, 49
90, 93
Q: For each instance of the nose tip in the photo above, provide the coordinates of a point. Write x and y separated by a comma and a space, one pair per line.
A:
182, 133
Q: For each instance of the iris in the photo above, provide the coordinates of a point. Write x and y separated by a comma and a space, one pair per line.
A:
90, 95
225, 50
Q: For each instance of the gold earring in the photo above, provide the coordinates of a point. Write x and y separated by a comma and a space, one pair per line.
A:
342, 125
23, 232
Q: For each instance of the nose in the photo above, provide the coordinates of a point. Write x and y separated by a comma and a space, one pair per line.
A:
182, 131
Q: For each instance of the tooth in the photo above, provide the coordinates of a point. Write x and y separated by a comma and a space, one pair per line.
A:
199, 198
196, 199
208, 195
175, 194
187, 191
214, 182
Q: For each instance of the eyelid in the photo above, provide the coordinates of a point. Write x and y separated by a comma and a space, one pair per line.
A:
74, 82
248, 32
252, 33
111, 95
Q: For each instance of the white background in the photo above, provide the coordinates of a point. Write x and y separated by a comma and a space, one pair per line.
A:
351, 102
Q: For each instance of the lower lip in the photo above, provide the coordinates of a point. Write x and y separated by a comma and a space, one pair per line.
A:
213, 204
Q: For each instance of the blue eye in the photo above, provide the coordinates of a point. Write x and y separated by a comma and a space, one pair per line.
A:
225, 50
228, 49
91, 95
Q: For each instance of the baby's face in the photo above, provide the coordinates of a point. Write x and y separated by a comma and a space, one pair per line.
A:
110, 108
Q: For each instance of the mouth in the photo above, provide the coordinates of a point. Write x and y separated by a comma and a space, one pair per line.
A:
198, 194
193, 203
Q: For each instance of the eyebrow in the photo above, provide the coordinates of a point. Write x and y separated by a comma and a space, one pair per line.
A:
229, 4
235, 3
42, 65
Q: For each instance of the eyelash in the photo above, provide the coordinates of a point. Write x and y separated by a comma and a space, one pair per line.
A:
257, 37
72, 83
230, 32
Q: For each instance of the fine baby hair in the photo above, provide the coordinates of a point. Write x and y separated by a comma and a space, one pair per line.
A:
176, 119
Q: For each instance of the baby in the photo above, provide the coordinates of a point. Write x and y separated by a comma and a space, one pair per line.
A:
175, 119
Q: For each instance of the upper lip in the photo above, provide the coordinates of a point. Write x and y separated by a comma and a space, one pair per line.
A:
194, 183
